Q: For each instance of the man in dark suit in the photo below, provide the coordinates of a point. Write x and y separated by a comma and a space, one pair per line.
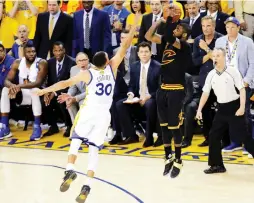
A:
144, 82
147, 21
91, 31
194, 19
220, 17
53, 26
58, 69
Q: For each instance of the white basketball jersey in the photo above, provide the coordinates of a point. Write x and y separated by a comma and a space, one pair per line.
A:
100, 90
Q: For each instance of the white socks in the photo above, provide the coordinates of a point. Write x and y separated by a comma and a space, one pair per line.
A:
70, 167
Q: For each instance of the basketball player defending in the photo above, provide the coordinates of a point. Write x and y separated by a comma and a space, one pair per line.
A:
93, 119
175, 61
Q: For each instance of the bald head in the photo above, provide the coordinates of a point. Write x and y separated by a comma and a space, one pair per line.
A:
23, 33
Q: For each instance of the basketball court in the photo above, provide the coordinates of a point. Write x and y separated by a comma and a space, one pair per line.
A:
31, 172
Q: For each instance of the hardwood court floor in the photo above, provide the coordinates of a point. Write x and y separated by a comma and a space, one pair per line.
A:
29, 174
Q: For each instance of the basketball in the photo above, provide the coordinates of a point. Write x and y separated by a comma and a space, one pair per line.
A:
172, 10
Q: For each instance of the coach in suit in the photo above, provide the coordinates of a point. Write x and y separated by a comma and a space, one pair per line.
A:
91, 31
58, 69
53, 26
144, 82
129, 58
147, 21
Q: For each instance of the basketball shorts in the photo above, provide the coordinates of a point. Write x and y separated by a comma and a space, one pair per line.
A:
91, 126
169, 107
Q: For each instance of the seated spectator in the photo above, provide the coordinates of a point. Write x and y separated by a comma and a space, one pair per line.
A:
214, 10
5, 65
117, 15
191, 102
130, 57
144, 82
137, 7
31, 72
59, 69
17, 50
120, 91
8, 26
76, 94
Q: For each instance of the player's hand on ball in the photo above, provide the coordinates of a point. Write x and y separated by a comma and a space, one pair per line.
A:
240, 112
199, 115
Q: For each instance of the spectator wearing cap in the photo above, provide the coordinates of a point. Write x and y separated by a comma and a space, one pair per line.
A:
239, 55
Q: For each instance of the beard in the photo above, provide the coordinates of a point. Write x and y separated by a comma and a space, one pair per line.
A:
30, 61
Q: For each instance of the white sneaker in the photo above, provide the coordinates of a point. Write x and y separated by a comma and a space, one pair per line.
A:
110, 134
245, 152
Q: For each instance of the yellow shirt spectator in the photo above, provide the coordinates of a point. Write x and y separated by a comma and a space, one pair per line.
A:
24, 16
226, 8
130, 22
8, 29
128, 7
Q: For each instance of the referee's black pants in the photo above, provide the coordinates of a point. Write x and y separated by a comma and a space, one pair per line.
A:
225, 120
208, 115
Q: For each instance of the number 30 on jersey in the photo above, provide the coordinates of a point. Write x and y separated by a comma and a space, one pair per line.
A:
101, 89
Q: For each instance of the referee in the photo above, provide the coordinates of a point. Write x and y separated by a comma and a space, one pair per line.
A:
175, 62
231, 106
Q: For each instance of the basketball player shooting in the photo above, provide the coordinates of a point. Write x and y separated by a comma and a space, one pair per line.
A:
93, 119
175, 61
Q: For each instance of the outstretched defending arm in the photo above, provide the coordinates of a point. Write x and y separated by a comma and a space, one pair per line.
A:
81, 76
117, 59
